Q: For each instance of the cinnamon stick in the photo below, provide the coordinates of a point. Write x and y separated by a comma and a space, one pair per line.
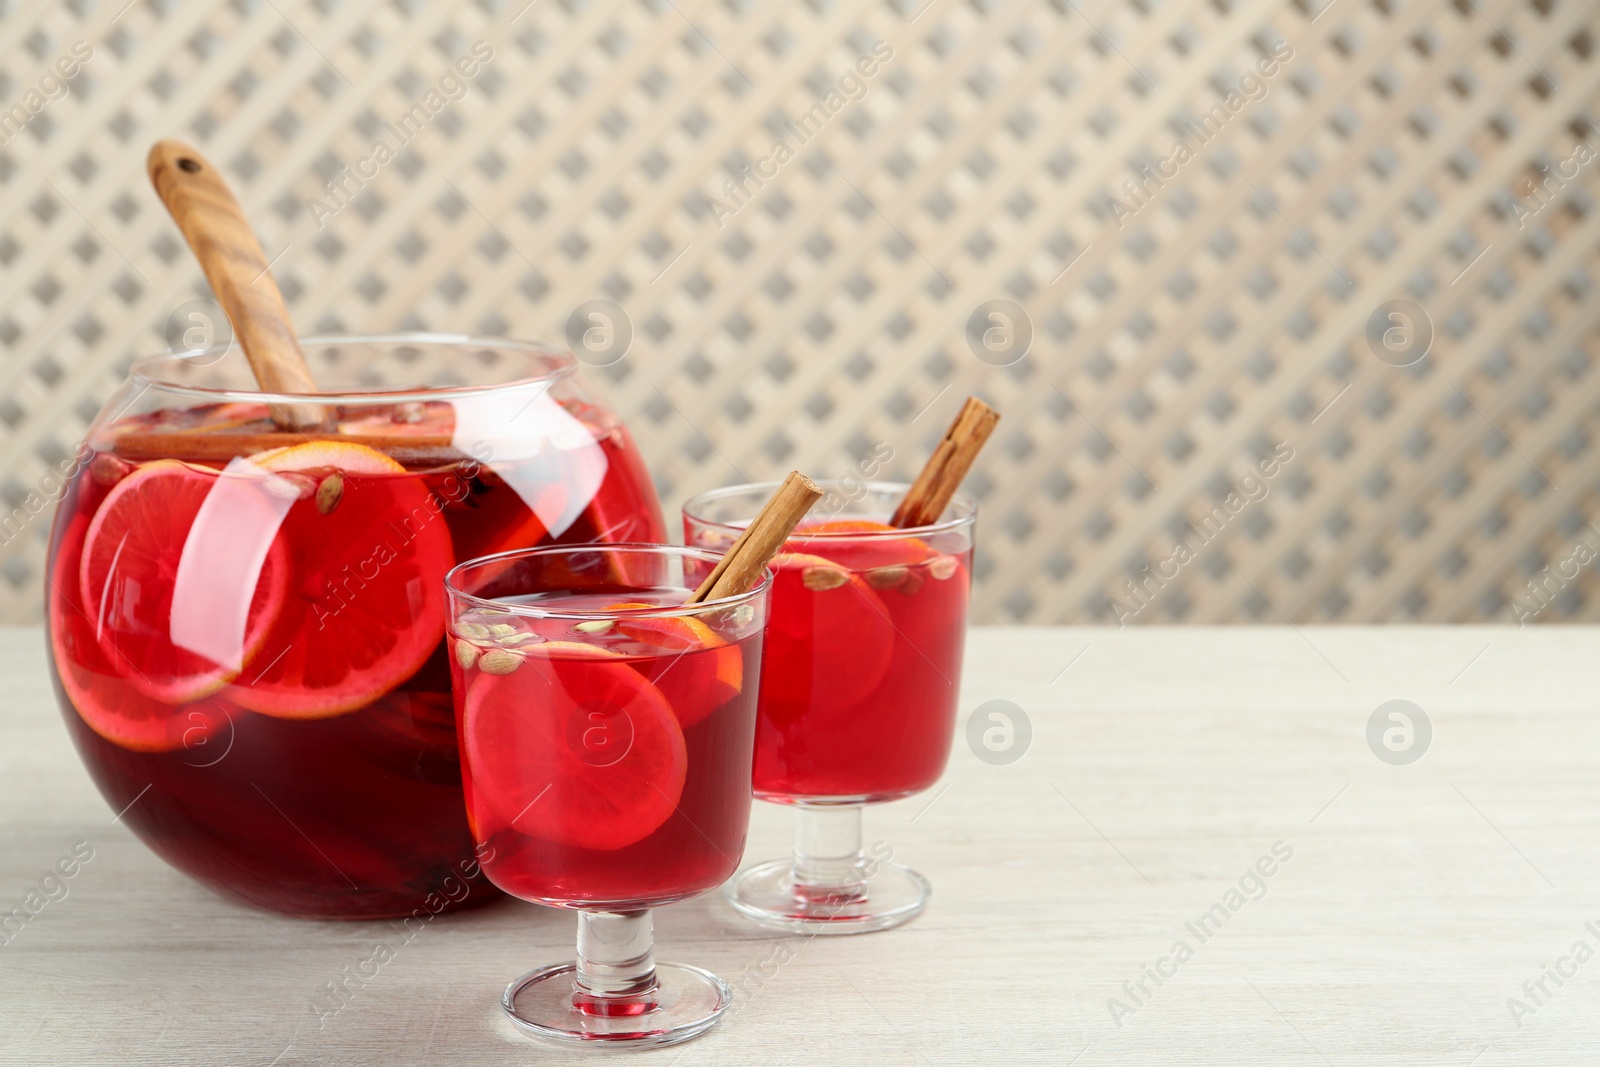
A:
200, 446
220, 236
940, 477
740, 567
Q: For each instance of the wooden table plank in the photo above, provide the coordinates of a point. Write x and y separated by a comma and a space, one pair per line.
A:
1164, 763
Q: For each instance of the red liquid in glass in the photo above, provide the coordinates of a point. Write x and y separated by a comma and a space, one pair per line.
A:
863, 657
617, 781
321, 778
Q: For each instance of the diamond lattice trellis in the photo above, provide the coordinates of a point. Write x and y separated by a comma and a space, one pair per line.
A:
1190, 311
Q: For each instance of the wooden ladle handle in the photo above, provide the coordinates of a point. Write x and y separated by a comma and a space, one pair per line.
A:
220, 235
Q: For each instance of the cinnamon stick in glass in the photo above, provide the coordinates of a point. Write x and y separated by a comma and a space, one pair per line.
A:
940, 477
740, 567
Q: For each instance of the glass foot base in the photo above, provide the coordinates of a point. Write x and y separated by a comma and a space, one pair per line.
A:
768, 896
687, 1003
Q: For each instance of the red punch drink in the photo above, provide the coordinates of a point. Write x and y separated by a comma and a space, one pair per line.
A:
606, 734
248, 626
863, 658
860, 678
604, 762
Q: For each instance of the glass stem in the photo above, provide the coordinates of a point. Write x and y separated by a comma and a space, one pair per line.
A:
616, 970
830, 867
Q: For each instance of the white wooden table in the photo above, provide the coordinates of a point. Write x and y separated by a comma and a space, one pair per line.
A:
1164, 764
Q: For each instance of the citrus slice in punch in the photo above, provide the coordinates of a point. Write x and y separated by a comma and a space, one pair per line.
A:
183, 576
574, 747
880, 545
433, 418
837, 526
367, 549
232, 416
97, 686
829, 640
701, 671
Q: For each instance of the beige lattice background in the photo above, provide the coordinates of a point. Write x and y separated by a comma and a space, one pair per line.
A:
1215, 316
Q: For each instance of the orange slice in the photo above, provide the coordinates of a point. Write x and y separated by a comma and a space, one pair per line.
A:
366, 603
707, 671
834, 526
829, 641
97, 683
574, 747
434, 418
183, 576
327, 455
861, 553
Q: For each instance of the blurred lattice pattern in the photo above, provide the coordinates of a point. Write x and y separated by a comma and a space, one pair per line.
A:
1212, 317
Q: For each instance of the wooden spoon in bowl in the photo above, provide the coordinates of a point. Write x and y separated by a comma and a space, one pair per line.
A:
220, 236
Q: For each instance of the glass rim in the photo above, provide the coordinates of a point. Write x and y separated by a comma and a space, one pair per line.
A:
455, 592
146, 371
966, 511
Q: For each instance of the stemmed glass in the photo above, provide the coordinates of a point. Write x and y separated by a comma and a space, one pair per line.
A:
858, 699
606, 732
